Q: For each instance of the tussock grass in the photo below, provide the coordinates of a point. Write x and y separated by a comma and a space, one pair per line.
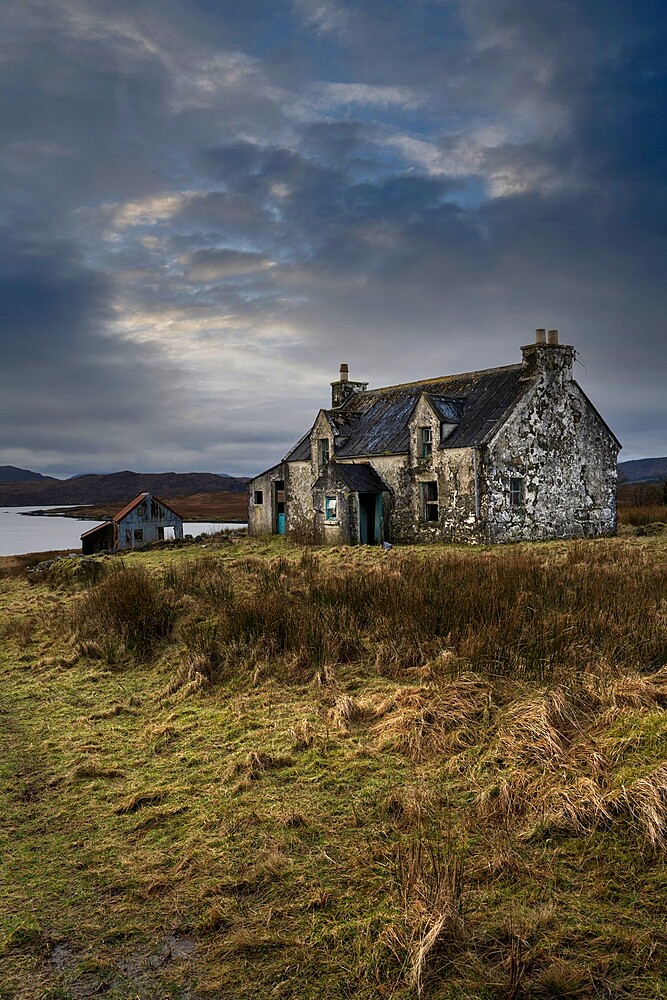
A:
129, 607
424, 722
648, 514
433, 772
430, 882
519, 615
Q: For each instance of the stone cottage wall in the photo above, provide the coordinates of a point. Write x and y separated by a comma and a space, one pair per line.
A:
300, 514
345, 528
563, 453
261, 517
453, 470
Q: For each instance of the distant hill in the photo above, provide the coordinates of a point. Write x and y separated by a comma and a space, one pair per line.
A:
10, 474
213, 507
117, 487
644, 470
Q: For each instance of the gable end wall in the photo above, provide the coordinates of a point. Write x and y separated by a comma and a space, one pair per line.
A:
566, 458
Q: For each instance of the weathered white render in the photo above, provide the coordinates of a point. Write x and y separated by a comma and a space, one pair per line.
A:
500, 455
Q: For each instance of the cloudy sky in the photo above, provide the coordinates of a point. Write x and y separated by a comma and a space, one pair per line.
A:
207, 205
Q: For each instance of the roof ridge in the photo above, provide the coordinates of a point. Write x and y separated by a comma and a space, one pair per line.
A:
436, 378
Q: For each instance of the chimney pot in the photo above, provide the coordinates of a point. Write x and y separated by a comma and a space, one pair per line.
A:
552, 338
344, 373
540, 336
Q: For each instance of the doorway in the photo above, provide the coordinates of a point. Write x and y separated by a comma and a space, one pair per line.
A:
370, 518
279, 506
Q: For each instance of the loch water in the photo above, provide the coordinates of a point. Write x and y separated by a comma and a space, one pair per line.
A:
19, 534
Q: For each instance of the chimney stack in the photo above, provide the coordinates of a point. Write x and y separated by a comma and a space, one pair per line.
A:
343, 388
547, 356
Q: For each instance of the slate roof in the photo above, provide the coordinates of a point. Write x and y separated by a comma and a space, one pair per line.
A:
475, 401
375, 422
300, 452
448, 409
360, 477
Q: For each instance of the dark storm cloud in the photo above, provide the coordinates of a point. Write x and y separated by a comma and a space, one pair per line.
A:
64, 383
218, 203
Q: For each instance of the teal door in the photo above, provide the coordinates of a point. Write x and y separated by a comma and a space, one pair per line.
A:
279, 509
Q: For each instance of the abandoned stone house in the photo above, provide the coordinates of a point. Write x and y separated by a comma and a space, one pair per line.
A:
145, 519
500, 455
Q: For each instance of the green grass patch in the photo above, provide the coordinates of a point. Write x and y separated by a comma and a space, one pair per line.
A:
257, 771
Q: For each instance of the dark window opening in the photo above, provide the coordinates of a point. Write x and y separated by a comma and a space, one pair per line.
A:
322, 452
138, 534
259, 497
430, 501
516, 492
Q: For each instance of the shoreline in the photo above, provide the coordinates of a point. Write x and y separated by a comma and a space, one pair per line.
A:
199, 508
77, 514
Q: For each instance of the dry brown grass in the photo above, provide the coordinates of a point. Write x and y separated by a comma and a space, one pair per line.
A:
644, 802
649, 514
347, 711
433, 772
424, 721
430, 879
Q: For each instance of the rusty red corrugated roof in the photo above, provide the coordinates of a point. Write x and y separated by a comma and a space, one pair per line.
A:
135, 503
129, 507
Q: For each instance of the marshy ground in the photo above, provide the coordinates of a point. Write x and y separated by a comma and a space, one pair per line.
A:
257, 770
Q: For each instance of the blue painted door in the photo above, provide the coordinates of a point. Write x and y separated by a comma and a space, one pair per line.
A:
281, 524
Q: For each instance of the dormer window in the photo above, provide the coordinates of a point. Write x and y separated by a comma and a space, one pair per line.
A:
425, 442
322, 452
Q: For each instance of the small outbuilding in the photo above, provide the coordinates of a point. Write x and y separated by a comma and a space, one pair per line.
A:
139, 523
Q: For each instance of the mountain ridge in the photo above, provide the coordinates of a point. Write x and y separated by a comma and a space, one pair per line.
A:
644, 470
116, 487
13, 474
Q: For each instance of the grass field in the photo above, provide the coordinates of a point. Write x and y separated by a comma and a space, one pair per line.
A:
255, 770
646, 514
